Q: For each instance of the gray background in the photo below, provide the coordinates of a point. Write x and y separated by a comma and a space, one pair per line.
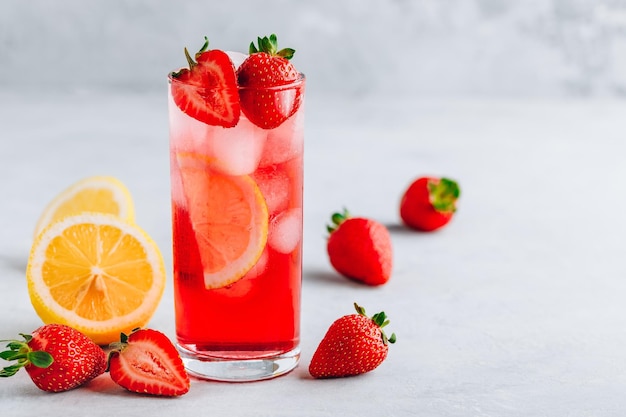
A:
424, 47
516, 309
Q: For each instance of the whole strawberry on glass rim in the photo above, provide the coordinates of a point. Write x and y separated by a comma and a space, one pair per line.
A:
270, 87
429, 203
56, 357
360, 248
354, 344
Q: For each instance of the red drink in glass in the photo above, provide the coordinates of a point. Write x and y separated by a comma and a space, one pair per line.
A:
237, 241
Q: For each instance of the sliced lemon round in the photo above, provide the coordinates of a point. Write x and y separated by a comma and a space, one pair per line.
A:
96, 273
229, 218
98, 194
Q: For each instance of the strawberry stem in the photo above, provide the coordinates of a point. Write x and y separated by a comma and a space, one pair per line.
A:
269, 45
204, 48
190, 61
381, 320
337, 218
117, 347
443, 194
22, 353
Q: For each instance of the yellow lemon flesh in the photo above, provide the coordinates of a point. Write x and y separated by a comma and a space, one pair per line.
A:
98, 194
96, 273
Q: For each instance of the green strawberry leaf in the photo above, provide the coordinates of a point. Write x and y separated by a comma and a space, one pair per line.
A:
20, 351
381, 320
337, 219
9, 370
10, 355
269, 45
443, 194
40, 359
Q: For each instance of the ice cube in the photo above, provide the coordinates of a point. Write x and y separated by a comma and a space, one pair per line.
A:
259, 267
284, 142
275, 187
236, 57
234, 151
286, 231
237, 150
186, 133
176, 182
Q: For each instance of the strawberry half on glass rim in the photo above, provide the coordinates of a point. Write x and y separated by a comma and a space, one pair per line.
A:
207, 90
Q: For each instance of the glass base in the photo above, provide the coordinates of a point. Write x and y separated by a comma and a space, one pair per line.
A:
203, 365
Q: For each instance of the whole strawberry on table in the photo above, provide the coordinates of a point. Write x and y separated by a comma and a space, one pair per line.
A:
429, 203
56, 357
360, 248
353, 345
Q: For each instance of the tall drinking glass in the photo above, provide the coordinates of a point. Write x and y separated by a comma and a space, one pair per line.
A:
237, 239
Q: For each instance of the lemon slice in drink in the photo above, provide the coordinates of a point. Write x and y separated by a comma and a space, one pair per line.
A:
96, 273
229, 217
99, 194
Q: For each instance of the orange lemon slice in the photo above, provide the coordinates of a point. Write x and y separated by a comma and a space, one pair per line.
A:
99, 194
229, 217
96, 273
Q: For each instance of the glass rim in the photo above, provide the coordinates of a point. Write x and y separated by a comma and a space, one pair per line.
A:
301, 80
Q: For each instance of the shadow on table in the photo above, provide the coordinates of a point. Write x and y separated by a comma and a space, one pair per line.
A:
330, 278
13, 262
324, 277
302, 372
400, 229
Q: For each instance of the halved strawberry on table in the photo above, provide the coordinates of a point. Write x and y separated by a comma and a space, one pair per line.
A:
207, 90
147, 362
265, 78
